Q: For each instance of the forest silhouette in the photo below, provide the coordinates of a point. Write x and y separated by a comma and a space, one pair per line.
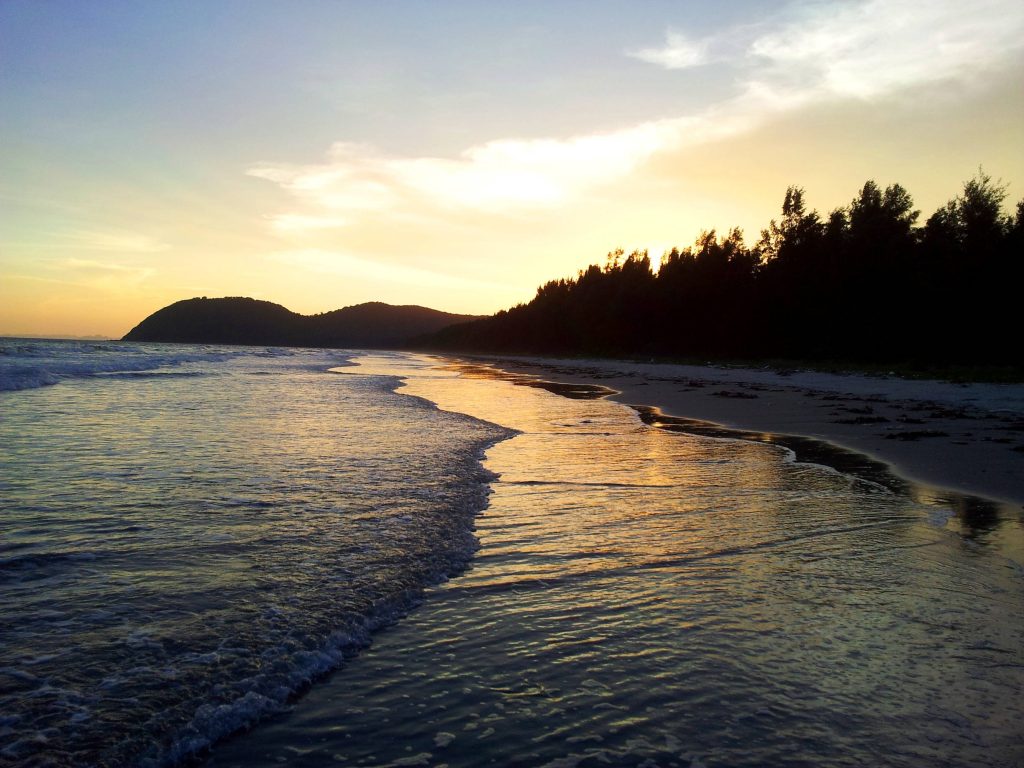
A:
865, 283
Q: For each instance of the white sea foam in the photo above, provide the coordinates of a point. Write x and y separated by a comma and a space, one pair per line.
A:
44, 363
635, 583
703, 600
201, 623
443, 738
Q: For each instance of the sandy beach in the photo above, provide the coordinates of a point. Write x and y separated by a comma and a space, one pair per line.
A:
647, 598
962, 437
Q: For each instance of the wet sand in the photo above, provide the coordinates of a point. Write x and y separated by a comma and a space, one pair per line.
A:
643, 598
962, 437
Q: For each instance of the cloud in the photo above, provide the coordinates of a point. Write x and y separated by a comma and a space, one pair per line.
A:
115, 241
817, 52
679, 52
110, 275
507, 177
353, 266
107, 241
499, 177
287, 223
872, 48
353, 179
862, 49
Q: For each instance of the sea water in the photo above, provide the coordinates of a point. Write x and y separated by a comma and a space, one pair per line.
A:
649, 598
186, 546
192, 534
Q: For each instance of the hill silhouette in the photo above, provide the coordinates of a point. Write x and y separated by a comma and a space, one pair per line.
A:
240, 320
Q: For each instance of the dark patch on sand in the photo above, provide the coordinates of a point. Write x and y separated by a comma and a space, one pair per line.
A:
573, 391
915, 434
976, 514
910, 420
862, 420
805, 449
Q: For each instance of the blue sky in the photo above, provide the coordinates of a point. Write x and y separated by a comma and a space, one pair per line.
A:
457, 154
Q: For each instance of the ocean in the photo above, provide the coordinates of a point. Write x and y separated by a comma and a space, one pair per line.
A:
248, 556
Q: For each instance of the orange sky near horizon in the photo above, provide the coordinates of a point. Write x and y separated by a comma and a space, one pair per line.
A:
339, 154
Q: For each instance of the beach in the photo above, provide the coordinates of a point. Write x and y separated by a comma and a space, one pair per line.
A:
379, 558
193, 533
961, 437
653, 596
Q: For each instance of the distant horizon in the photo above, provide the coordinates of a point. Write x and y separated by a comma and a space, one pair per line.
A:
458, 155
1008, 207
57, 337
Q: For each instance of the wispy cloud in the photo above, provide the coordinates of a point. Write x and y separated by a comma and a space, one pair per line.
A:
816, 52
679, 52
506, 177
872, 48
119, 241
106, 241
860, 49
297, 223
353, 266
352, 179
110, 275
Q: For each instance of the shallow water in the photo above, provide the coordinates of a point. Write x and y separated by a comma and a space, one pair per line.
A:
649, 598
191, 534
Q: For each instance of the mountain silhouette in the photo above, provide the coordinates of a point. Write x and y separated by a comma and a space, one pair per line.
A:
240, 320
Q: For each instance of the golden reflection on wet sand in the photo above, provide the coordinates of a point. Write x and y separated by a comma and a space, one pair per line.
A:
647, 595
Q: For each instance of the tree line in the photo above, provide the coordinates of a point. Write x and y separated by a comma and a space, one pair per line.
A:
868, 282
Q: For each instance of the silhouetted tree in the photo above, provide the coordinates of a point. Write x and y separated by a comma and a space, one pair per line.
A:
866, 283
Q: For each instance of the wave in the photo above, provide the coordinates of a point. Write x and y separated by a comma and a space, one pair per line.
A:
213, 722
31, 365
154, 374
272, 568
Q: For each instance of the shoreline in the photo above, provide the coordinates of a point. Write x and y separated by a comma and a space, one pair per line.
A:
597, 527
967, 439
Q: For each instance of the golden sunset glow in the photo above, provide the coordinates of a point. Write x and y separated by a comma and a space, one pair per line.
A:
333, 154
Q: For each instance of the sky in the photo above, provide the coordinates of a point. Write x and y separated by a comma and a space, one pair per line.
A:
457, 155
